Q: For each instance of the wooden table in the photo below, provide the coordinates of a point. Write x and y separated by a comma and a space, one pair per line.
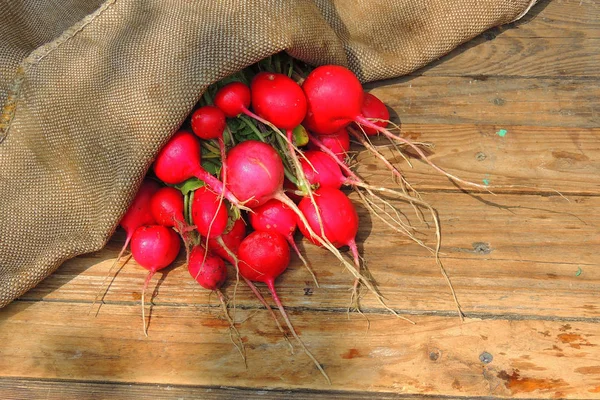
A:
517, 107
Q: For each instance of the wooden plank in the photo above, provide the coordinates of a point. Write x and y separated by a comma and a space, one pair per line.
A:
190, 346
27, 389
556, 38
565, 102
533, 159
498, 267
558, 18
506, 55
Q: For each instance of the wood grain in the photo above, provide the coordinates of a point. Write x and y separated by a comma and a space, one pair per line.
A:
27, 389
529, 158
190, 346
555, 39
506, 56
492, 100
558, 19
498, 268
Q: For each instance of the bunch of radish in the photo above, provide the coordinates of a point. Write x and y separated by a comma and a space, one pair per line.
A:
265, 154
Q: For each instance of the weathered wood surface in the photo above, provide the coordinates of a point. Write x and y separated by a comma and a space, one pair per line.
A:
189, 345
518, 108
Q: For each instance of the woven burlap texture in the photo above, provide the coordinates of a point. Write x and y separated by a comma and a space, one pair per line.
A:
92, 89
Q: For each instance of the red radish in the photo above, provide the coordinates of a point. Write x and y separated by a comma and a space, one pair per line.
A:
274, 216
338, 143
167, 208
233, 99
335, 99
153, 247
255, 173
374, 109
334, 96
340, 220
138, 214
321, 169
263, 257
207, 269
180, 160
208, 122
278, 99
209, 213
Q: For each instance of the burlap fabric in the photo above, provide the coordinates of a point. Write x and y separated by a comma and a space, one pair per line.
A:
92, 89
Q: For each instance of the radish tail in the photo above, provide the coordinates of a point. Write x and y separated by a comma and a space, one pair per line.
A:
271, 287
148, 279
294, 246
363, 121
262, 300
127, 240
438, 234
235, 264
240, 347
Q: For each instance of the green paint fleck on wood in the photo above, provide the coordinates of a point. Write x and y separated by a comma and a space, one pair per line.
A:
502, 132
579, 271
486, 181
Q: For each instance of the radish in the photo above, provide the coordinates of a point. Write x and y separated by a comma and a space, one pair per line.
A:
374, 109
138, 214
180, 160
233, 99
338, 143
210, 272
340, 222
323, 170
263, 257
278, 99
167, 209
208, 123
209, 213
335, 99
255, 173
153, 247
274, 216
207, 269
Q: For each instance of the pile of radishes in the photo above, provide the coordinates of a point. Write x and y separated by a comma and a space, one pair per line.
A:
264, 153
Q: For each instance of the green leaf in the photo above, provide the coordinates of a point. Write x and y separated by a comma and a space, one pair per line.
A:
190, 185
300, 136
213, 166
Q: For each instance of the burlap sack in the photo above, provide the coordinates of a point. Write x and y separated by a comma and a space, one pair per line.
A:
92, 89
